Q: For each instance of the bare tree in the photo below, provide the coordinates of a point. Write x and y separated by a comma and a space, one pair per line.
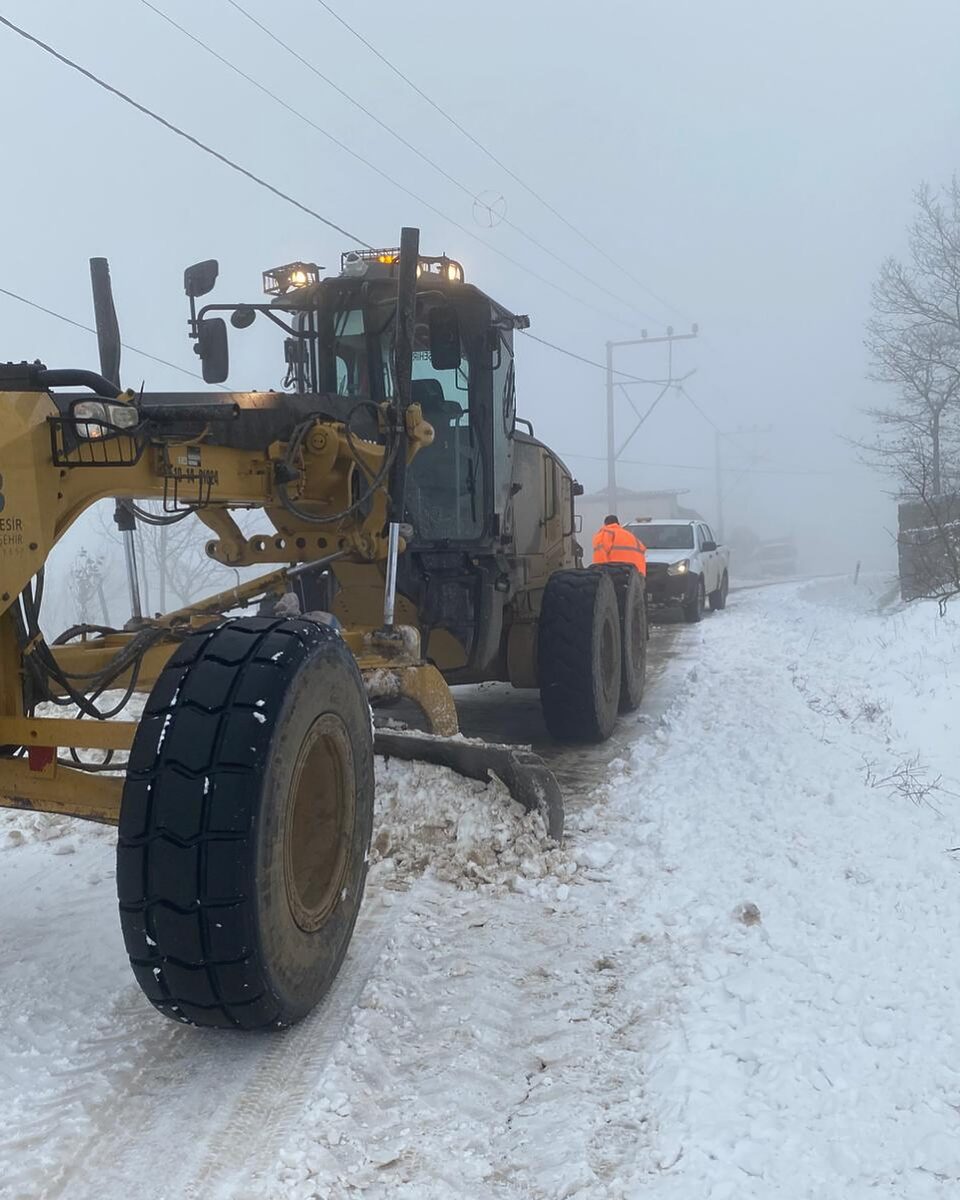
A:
86, 589
913, 339
175, 569
922, 363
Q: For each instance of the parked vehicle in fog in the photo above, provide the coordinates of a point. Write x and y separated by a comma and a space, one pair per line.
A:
685, 565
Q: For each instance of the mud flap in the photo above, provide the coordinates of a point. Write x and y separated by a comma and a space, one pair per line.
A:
528, 778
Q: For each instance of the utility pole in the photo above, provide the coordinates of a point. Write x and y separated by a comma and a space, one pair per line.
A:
163, 567
613, 453
718, 436
718, 474
611, 443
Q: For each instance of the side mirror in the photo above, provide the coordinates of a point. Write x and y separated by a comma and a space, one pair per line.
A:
213, 349
445, 352
709, 546
199, 279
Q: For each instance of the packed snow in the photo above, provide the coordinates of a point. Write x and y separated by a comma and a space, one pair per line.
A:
737, 978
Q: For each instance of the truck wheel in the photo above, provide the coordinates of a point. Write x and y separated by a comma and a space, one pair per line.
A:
631, 603
718, 599
693, 609
245, 822
579, 656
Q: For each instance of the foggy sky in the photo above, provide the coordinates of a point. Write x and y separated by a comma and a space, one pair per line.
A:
751, 162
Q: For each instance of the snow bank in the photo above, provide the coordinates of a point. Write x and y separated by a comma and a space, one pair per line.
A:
800, 871
739, 978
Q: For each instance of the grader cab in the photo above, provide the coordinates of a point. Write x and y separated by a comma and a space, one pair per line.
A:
417, 539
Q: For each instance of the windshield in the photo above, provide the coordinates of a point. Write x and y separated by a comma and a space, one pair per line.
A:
445, 481
352, 359
663, 537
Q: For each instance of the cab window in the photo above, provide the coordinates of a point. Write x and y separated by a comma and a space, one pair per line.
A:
549, 488
445, 482
351, 354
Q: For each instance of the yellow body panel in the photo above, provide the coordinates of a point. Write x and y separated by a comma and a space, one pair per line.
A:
39, 500
30, 491
60, 789
60, 731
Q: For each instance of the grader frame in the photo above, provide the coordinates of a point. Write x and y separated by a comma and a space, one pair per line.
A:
245, 806
52, 472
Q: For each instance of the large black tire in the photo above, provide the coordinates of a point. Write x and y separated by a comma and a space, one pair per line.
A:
632, 605
245, 823
718, 599
579, 656
694, 608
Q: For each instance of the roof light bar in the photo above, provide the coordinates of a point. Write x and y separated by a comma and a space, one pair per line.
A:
383, 263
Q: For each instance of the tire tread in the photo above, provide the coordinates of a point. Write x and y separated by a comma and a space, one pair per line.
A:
565, 655
188, 919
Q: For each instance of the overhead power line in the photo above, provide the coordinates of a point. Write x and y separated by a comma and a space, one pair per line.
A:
635, 462
148, 112
279, 193
590, 362
377, 170
497, 161
709, 420
469, 192
88, 329
331, 83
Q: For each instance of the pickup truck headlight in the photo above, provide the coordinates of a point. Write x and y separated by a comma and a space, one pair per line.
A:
679, 568
95, 417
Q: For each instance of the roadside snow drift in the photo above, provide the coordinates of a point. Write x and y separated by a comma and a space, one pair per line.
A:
802, 875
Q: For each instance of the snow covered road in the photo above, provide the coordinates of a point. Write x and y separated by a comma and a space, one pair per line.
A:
738, 978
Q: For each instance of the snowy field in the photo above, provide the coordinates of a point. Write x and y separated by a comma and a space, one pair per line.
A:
738, 978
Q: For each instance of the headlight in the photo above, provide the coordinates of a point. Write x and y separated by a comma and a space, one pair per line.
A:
679, 568
97, 419
292, 277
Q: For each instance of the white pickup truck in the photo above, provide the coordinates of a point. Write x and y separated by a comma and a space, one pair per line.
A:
685, 565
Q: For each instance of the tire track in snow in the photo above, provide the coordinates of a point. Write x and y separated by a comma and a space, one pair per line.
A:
261, 1114
240, 1090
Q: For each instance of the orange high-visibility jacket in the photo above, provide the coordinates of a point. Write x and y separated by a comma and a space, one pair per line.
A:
613, 543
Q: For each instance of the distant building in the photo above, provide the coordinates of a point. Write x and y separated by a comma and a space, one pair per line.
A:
632, 504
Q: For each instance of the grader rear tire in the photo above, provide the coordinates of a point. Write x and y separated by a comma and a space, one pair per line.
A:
631, 602
245, 823
579, 656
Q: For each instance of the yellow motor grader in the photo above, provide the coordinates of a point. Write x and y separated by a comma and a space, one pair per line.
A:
417, 538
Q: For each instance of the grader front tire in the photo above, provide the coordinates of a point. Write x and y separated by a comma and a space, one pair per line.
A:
245, 824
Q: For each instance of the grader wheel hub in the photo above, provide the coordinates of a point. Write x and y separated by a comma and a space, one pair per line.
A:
316, 839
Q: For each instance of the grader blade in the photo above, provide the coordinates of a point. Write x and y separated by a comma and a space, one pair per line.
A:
527, 777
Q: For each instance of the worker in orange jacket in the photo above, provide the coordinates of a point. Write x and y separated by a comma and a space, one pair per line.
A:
614, 544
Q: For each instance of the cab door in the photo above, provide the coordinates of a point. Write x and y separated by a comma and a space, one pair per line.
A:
554, 510
503, 420
711, 573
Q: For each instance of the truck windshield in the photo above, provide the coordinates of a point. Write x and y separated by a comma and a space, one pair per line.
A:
663, 537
